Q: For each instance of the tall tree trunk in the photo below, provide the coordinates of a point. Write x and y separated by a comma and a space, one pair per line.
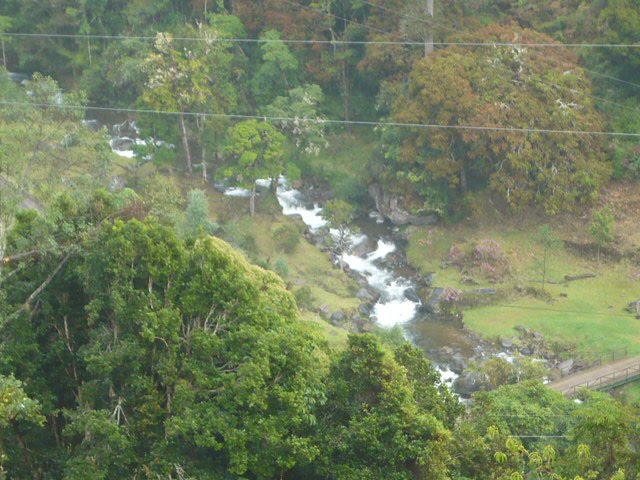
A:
463, 180
4, 230
185, 143
428, 41
252, 201
346, 93
4, 55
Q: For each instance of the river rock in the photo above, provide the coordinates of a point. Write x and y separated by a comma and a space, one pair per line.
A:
634, 307
364, 247
410, 294
392, 207
377, 216
220, 186
122, 143
507, 344
458, 363
324, 312
485, 291
365, 294
427, 279
432, 302
566, 366
337, 318
468, 383
364, 309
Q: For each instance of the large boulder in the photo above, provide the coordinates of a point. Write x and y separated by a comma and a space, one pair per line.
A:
469, 383
431, 303
338, 318
393, 207
634, 307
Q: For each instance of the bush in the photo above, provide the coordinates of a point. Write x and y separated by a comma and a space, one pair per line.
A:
287, 237
304, 297
350, 189
281, 267
486, 258
236, 234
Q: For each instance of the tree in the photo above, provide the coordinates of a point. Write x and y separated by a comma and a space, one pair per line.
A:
16, 408
502, 87
306, 127
188, 81
549, 242
379, 421
278, 72
603, 228
45, 150
197, 218
257, 151
340, 215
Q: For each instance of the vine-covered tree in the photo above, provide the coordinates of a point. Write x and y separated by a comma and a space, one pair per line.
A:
257, 152
512, 87
191, 81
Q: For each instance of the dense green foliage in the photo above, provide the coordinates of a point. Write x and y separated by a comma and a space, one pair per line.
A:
540, 88
162, 358
133, 344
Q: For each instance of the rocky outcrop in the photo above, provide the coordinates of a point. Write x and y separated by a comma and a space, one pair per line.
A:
468, 383
393, 207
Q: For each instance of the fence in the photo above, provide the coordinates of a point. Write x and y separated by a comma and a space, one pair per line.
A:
607, 381
596, 359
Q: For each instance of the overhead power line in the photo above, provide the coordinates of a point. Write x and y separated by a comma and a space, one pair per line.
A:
330, 121
326, 42
337, 17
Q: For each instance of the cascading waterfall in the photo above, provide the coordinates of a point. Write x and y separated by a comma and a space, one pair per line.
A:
393, 307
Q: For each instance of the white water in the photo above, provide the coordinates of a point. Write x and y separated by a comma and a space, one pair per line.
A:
393, 308
117, 140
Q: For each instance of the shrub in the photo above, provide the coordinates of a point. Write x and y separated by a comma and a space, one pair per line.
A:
456, 256
281, 267
304, 297
488, 251
287, 237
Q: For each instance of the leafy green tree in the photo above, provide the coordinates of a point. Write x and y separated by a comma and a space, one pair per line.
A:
380, 422
278, 72
197, 218
603, 228
45, 150
191, 81
257, 151
607, 428
340, 216
306, 129
503, 87
16, 409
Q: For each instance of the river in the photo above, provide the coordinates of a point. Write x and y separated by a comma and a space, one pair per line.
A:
378, 264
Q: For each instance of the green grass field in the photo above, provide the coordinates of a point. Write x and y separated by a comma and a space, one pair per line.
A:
588, 313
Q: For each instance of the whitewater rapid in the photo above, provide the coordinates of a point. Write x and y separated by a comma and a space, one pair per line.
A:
393, 308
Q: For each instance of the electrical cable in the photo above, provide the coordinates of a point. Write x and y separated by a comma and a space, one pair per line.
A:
327, 42
331, 121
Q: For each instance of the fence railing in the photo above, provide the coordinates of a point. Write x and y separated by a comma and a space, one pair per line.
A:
595, 359
619, 377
